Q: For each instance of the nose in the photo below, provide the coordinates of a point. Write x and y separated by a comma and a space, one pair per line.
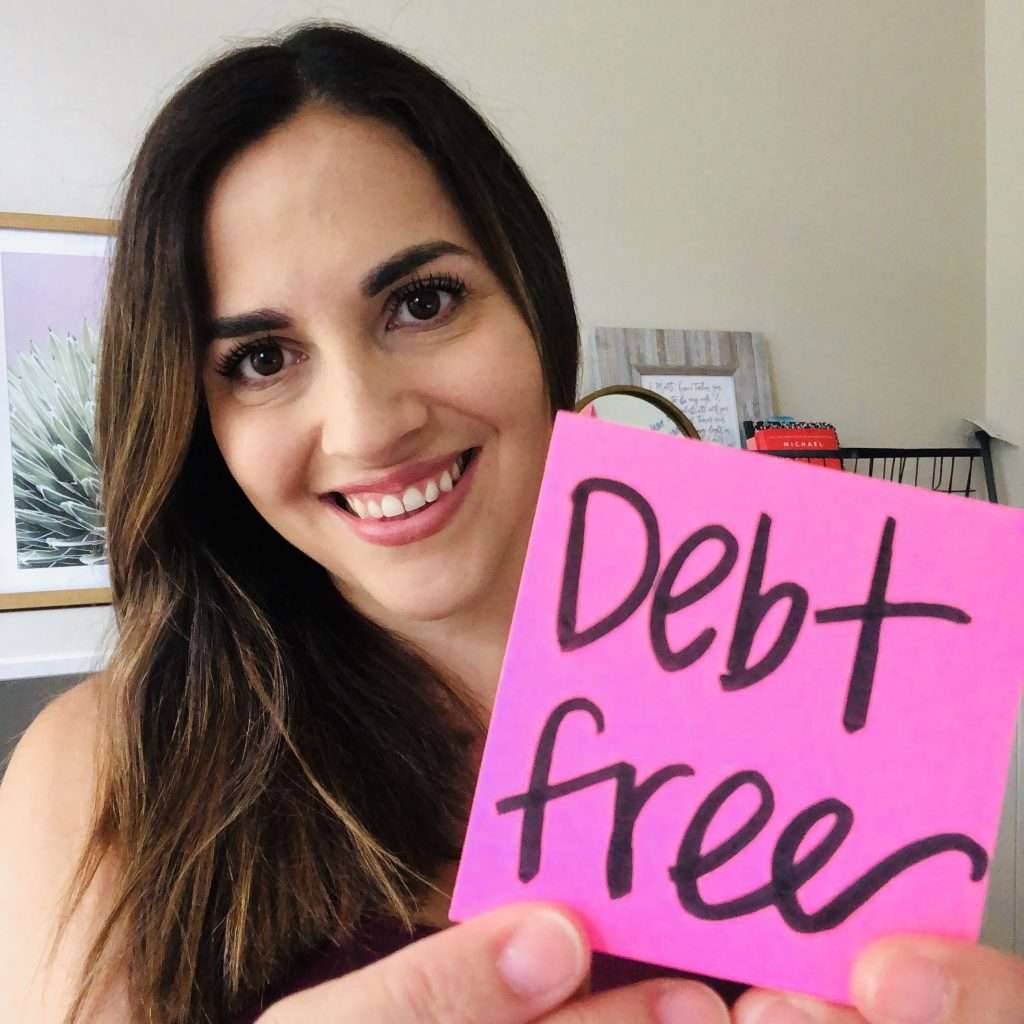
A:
370, 409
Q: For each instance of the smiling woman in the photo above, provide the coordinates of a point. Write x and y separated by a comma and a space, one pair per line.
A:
337, 330
389, 359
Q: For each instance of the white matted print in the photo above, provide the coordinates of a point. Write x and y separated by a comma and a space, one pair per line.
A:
708, 399
53, 273
717, 378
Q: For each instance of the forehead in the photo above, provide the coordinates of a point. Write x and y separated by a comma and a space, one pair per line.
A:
315, 202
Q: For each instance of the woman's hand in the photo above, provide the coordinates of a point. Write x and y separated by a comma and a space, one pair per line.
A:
518, 965
908, 980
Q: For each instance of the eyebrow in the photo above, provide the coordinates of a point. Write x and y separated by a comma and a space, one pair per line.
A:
373, 283
402, 263
247, 323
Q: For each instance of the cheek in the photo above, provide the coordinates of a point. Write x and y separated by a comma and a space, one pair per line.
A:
503, 380
260, 453
525, 403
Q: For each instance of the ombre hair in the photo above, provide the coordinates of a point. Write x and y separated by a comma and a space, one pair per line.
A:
249, 793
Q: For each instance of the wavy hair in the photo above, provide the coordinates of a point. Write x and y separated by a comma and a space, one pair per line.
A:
275, 767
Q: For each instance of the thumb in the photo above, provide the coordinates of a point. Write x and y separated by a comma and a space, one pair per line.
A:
923, 980
505, 967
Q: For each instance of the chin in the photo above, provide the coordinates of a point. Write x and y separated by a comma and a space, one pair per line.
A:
442, 600
401, 607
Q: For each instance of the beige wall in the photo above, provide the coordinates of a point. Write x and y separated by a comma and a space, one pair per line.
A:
1004, 74
812, 170
1004, 68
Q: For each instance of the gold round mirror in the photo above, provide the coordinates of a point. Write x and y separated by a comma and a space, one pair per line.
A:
637, 407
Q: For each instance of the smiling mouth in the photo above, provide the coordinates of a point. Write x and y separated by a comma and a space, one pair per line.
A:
412, 500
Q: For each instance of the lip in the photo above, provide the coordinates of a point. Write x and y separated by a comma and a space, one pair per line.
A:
428, 521
398, 479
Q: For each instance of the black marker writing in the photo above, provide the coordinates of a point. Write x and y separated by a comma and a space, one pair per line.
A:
871, 614
665, 602
755, 603
788, 871
629, 800
568, 638
754, 606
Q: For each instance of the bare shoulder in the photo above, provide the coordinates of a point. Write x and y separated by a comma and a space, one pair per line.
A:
46, 808
53, 765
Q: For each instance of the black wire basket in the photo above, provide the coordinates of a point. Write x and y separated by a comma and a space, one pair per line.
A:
950, 470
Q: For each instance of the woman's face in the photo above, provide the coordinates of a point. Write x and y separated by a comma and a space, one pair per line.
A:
372, 388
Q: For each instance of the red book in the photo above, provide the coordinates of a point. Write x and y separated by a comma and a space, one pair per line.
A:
818, 437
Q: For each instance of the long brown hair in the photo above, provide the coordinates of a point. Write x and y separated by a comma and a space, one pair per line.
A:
275, 766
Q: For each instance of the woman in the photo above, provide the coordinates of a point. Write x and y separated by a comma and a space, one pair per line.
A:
337, 330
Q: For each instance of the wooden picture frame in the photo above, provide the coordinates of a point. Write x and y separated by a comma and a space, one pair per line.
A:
52, 280
717, 378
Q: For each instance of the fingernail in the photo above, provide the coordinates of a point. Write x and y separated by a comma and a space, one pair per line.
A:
773, 1010
911, 990
690, 1003
543, 955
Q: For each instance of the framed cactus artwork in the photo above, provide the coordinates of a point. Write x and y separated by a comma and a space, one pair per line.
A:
53, 273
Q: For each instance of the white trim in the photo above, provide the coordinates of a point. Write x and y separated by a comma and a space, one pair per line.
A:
32, 667
52, 642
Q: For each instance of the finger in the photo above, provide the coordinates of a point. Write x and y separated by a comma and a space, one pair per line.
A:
923, 980
509, 966
767, 1006
650, 1002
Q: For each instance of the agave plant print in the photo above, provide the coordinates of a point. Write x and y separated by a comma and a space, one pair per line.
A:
56, 490
51, 526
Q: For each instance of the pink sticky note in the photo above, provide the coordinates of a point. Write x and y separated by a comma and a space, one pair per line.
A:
753, 714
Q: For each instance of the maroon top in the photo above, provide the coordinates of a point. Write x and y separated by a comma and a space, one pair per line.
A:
385, 937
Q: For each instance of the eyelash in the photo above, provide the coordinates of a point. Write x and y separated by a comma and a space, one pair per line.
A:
227, 365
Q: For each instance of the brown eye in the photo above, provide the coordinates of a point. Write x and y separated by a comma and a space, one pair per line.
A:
266, 360
425, 304
428, 301
257, 363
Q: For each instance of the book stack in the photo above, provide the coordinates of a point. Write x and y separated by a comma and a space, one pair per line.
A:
786, 434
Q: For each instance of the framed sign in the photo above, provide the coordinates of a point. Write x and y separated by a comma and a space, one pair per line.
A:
53, 273
717, 378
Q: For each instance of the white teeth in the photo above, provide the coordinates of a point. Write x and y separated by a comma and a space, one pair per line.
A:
413, 499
